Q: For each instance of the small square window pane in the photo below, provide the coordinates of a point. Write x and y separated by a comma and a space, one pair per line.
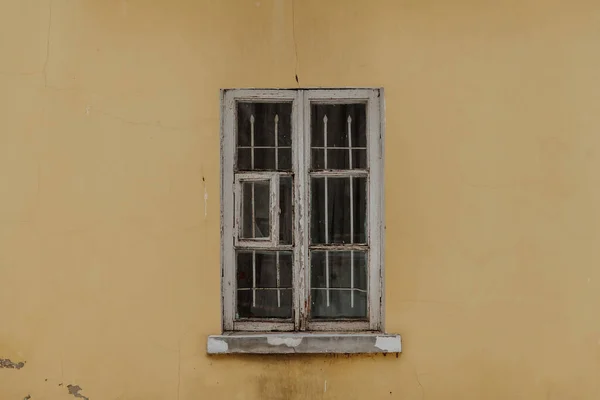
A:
284, 159
286, 206
256, 210
262, 125
347, 269
264, 159
338, 217
338, 159
264, 284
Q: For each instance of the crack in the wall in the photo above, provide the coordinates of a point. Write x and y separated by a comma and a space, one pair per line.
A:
74, 390
6, 363
47, 44
295, 44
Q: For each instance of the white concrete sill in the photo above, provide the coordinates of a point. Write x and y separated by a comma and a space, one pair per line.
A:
303, 343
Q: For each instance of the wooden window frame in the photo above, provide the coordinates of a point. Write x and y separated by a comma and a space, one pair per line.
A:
301, 100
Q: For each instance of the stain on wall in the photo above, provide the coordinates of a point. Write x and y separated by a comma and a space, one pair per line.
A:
6, 363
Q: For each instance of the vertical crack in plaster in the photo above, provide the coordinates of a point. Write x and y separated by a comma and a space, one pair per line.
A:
295, 43
205, 198
419, 383
178, 368
44, 73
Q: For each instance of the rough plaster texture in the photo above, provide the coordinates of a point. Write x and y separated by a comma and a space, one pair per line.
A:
109, 145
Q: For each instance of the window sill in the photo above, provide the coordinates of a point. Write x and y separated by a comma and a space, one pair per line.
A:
303, 343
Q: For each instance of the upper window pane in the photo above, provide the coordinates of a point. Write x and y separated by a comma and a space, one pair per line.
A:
338, 136
264, 136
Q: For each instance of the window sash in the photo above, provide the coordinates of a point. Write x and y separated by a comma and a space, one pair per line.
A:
230, 202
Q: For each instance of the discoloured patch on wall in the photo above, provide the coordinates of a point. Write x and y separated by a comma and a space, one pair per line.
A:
74, 390
6, 363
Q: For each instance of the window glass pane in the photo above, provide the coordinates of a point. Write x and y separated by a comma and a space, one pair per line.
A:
340, 126
284, 159
264, 159
336, 216
317, 159
359, 159
262, 128
264, 284
244, 159
256, 207
286, 215
338, 284
338, 159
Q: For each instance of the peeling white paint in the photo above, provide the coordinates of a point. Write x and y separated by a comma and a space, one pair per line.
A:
216, 346
88, 109
286, 341
390, 344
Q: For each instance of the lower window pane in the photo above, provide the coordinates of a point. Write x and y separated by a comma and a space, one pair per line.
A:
338, 281
338, 303
264, 284
264, 303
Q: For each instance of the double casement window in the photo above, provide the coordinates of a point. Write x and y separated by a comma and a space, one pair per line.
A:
302, 210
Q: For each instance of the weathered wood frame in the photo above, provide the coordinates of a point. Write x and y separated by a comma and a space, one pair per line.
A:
301, 100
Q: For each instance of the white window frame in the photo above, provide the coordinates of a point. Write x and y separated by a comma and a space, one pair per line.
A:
230, 190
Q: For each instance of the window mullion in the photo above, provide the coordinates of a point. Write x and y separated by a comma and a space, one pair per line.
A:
300, 193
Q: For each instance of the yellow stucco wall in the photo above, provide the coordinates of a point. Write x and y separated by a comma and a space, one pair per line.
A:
109, 140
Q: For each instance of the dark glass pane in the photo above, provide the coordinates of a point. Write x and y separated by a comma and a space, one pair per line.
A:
285, 269
340, 118
331, 221
338, 159
360, 270
286, 215
317, 159
317, 210
342, 272
359, 159
264, 303
256, 127
338, 303
338, 193
359, 187
264, 282
284, 159
255, 209
264, 159
244, 269
263, 117
262, 269
244, 159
